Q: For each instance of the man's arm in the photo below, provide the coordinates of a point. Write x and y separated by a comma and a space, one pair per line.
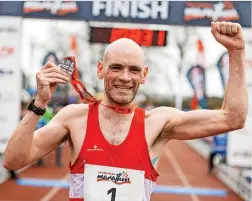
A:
232, 115
25, 145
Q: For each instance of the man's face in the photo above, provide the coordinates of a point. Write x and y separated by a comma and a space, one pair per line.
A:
123, 74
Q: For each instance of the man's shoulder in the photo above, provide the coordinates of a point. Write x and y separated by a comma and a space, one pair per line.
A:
75, 110
155, 120
162, 112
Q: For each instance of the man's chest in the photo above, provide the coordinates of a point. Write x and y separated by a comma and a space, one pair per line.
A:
116, 133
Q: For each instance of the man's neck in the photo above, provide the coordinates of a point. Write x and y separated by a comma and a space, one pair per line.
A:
107, 101
110, 113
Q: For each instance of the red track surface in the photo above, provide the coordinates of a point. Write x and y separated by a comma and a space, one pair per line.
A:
180, 165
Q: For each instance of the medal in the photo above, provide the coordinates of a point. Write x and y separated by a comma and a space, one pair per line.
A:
67, 65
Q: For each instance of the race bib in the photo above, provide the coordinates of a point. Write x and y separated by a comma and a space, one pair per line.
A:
103, 183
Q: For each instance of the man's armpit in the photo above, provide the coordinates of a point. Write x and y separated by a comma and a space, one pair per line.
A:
166, 133
168, 130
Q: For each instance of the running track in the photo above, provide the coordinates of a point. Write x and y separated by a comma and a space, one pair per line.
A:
180, 166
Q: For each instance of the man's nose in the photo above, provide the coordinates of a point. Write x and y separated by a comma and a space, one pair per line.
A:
124, 75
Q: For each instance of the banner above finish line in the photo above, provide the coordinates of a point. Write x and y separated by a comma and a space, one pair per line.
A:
193, 13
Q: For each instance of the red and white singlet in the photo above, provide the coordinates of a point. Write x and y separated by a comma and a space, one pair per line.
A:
105, 172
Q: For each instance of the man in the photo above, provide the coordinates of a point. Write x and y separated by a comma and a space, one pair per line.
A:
218, 148
116, 149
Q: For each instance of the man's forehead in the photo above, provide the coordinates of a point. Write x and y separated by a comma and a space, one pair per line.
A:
125, 61
124, 57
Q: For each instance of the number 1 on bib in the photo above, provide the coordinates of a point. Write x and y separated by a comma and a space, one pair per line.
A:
113, 192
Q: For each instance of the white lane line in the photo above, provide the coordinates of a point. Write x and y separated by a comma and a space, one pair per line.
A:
53, 191
180, 172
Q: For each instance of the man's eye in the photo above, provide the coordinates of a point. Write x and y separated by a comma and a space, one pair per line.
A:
115, 67
135, 70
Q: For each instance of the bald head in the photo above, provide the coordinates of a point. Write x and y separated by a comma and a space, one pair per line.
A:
122, 65
123, 46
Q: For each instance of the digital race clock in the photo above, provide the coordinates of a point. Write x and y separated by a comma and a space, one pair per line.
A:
143, 37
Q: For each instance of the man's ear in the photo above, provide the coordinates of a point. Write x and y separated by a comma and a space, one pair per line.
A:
144, 75
100, 70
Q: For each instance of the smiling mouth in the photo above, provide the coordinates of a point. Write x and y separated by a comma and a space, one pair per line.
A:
122, 87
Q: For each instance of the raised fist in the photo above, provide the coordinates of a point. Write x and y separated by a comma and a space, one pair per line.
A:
47, 79
228, 34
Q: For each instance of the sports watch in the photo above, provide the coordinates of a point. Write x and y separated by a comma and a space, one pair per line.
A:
35, 109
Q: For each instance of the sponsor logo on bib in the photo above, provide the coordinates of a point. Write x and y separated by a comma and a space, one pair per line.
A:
119, 178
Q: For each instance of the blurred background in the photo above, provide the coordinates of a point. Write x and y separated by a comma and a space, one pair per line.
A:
188, 70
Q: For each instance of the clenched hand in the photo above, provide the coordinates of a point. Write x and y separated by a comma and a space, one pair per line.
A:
228, 34
47, 79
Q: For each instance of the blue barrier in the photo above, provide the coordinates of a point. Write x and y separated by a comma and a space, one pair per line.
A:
158, 189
